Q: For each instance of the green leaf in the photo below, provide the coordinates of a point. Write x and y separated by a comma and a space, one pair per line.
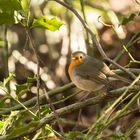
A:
7, 11
50, 24
129, 18
6, 18
8, 79
10, 5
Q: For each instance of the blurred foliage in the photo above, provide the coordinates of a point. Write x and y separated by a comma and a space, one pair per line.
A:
36, 40
9, 11
131, 17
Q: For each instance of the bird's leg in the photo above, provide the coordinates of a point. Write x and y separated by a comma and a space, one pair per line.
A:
85, 96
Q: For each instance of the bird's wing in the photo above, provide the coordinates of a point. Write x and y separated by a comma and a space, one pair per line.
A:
91, 72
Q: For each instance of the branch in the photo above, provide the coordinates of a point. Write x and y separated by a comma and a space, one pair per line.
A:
59, 90
133, 70
35, 125
38, 67
33, 100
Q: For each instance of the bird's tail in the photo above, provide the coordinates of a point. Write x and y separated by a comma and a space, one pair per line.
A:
121, 78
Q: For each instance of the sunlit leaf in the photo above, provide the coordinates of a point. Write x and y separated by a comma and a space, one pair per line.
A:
1, 124
8, 123
50, 24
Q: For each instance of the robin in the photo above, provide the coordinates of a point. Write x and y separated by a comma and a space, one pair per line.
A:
89, 73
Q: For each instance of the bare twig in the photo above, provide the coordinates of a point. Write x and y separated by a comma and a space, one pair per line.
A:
54, 111
129, 44
84, 16
38, 68
6, 56
6, 52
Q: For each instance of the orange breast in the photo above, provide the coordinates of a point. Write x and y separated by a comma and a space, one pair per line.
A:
72, 65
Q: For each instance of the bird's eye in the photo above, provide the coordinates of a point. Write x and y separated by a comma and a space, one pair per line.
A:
81, 57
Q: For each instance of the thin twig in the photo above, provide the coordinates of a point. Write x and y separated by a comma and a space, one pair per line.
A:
129, 44
120, 113
129, 113
132, 129
84, 16
38, 68
6, 56
54, 111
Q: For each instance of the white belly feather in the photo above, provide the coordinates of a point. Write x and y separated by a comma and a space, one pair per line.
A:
85, 84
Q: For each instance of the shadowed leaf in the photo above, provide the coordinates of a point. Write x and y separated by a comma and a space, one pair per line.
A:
129, 18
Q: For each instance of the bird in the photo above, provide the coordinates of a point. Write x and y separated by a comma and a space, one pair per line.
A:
89, 73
